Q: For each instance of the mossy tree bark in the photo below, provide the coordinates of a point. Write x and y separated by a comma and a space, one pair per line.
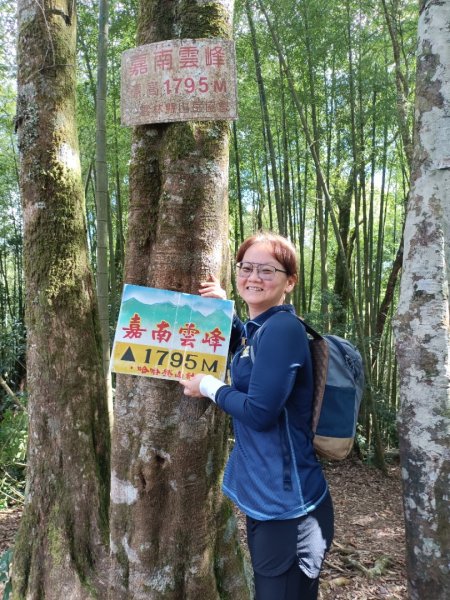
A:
60, 550
173, 534
422, 323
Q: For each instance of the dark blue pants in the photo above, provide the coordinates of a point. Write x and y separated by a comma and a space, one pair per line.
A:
287, 556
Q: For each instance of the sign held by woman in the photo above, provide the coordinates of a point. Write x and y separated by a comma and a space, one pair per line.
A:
171, 335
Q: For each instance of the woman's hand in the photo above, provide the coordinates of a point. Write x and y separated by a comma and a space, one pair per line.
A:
208, 289
212, 289
192, 386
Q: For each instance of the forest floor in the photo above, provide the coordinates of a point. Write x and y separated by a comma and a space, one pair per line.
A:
367, 558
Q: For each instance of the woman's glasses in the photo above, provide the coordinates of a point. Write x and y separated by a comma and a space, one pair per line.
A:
266, 272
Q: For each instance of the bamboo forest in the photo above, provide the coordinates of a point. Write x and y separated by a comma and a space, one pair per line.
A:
328, 149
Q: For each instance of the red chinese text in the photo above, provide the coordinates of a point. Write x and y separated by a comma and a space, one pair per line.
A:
152, 88
213, 338
188, 333
188, 57
215, 57
163, 59
134, 330
139, 65
162, 332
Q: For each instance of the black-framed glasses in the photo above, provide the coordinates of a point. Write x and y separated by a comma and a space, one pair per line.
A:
266, 272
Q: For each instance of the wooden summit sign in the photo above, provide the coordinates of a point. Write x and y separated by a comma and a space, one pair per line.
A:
179, 80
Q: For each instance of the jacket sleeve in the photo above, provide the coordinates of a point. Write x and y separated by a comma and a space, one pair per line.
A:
281, 350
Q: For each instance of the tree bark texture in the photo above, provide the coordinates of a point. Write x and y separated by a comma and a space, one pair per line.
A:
60, 551
422, 323
173, 535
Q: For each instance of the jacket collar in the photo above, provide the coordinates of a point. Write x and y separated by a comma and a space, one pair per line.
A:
253, 324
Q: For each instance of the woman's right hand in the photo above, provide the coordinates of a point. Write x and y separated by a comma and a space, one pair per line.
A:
212, 289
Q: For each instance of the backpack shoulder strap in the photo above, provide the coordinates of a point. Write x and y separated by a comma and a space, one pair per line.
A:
312, 332
319, 349
251, 349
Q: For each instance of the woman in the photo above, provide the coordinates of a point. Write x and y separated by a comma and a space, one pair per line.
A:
272, 474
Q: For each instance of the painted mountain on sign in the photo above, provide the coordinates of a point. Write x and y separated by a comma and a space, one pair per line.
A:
151, 314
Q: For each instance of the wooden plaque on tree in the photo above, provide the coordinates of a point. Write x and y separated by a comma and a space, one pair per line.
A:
179, 80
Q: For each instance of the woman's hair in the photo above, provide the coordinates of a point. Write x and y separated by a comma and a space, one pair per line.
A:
282, 249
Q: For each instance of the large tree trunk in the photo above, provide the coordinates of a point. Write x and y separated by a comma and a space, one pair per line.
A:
422, 327
172, 533
60, 549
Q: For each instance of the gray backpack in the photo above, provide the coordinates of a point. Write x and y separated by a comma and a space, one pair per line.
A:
338, 389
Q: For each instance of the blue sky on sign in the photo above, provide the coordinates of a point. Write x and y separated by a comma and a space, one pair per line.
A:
205, 306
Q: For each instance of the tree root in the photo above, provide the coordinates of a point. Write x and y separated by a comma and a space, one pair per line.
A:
379, 568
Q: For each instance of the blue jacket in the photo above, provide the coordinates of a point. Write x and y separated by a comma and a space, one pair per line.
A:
272, 472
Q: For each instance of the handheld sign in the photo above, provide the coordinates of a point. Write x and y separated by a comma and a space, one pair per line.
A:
171, 335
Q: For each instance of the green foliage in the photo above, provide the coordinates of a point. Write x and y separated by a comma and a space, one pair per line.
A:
12, 331
13, 446
5, 573
12, 354
387, 416
320, 321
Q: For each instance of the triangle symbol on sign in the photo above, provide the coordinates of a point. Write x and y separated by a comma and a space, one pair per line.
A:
128, 355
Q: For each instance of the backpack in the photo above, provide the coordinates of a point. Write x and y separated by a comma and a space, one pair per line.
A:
338, 375
338, 388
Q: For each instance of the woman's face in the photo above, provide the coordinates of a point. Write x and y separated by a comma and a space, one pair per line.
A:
260, 294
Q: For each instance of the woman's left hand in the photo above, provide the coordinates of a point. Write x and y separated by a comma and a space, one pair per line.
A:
212, 289
192, 386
